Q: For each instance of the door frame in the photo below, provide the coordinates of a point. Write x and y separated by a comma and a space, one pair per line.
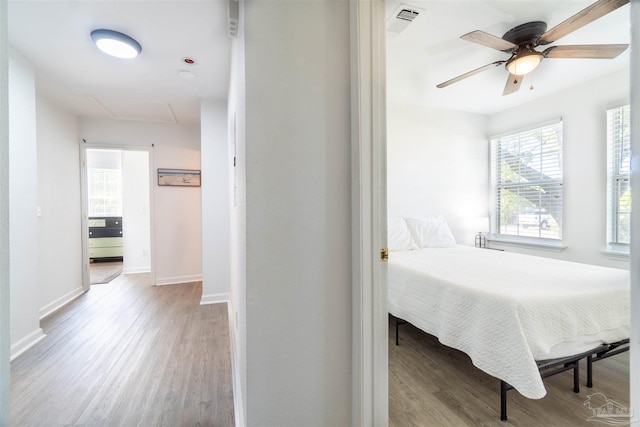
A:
84, 146
368, 136
634, 259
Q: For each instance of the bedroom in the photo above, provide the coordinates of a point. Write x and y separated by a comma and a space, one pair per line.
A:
426, 125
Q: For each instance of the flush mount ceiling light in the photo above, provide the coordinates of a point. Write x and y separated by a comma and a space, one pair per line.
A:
116, 44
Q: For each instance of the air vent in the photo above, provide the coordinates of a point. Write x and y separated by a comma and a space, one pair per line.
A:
402, 17
408, 15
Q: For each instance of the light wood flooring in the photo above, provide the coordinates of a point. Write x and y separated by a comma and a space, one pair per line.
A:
434, 385
128, 354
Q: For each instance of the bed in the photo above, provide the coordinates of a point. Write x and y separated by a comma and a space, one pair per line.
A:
507, 311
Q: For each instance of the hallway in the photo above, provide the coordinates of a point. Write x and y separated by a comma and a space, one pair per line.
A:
127, 353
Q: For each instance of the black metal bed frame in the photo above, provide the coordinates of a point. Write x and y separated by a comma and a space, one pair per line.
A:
552, 367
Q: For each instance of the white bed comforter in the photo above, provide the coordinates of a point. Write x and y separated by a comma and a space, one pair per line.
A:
504, 309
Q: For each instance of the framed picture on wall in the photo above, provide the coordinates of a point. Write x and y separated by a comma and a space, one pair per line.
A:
179, 177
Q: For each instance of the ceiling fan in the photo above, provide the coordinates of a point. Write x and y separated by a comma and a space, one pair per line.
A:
522, 40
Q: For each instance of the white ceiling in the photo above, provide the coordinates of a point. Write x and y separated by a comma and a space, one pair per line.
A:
430, 51
54, 36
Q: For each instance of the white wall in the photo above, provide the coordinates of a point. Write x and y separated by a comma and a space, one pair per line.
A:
23, 187
176, 216
298, 213
136, 217
583, 109
59, 271
431, 154
104, 159
216, 275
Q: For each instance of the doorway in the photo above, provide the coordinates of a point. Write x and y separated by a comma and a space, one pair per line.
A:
116, 199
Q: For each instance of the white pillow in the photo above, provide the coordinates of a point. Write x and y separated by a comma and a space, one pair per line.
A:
431, 232
399, 236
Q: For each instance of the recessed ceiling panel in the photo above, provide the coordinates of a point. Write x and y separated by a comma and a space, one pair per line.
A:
130, 109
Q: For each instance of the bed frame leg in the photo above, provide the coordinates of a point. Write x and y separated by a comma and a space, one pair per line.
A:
503, 401
576, 377
590, 371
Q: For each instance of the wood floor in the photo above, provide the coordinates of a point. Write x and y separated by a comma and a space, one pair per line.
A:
434, 385
128, 354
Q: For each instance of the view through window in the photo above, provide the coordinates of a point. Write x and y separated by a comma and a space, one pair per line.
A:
619, 170
105, 192
527, 176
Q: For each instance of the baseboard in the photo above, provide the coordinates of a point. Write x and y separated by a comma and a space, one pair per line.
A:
214, 299
238, 406
136, 270
26, 343
65, 299
178, 280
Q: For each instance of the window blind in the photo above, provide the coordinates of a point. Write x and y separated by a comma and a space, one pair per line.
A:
618, 174
528, 182
105, 192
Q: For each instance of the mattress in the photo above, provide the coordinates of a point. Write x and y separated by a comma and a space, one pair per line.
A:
508, 310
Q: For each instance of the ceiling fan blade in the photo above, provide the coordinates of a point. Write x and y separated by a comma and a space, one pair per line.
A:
596, 51
580, 19
489, 40
513, 84
469, 74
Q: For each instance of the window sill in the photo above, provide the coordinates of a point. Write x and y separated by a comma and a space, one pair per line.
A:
531, 243
616, 253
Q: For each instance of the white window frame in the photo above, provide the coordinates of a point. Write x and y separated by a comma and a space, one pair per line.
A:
616, 172
496, 235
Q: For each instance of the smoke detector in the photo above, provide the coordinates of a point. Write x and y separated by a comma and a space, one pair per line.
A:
402, 17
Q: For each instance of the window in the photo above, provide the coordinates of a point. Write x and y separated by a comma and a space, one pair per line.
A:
618, 173
105, 192
527, 183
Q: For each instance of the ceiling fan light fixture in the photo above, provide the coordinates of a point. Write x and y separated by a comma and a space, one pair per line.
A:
524, 63
116, 44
